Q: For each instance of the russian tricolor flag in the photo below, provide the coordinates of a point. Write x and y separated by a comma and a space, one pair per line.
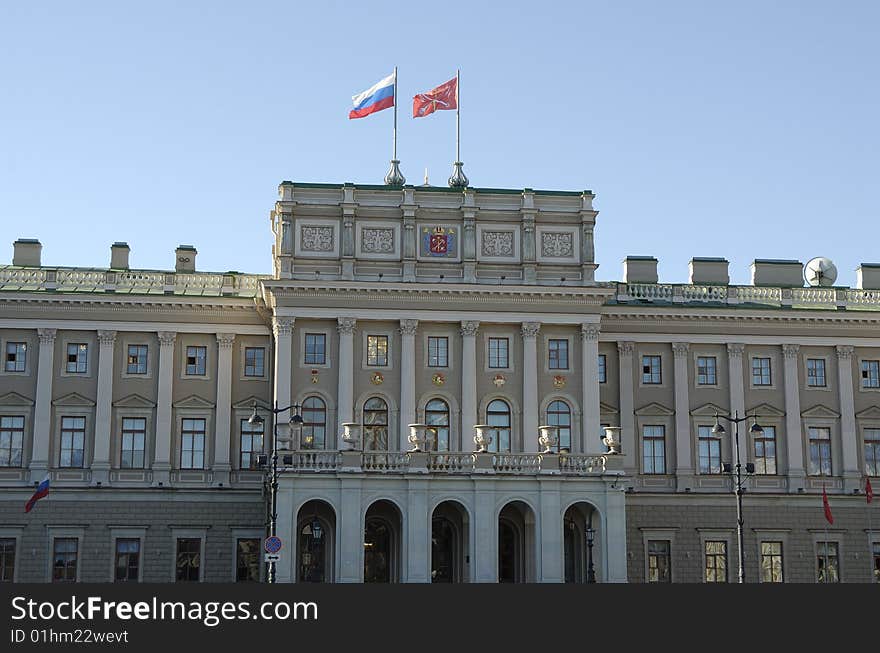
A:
379, 96
41, 491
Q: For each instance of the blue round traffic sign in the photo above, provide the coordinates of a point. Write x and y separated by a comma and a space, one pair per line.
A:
272, 544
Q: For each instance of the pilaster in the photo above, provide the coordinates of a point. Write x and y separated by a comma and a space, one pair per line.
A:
103, 407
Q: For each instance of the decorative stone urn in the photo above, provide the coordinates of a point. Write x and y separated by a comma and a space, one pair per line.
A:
417, 436
483, 437
612, 439
351, 435
547, 437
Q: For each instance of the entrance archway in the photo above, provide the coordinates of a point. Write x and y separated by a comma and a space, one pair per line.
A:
516, 543
581, 543
315, 545
382, 526
449, 543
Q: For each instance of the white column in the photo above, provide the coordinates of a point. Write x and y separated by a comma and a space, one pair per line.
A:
485, 530
614, 535
103, 407
530, 399
793, 431
345, 386
222, 428
849, 436
408, 330
43, 406
737, 400
417, 561
469, 397
350, 543
628, 438
162, 460
282, 329
550, 553
590, 418
684, 466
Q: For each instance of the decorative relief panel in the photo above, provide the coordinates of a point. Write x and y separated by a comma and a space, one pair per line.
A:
558, 244
439, 241
377, 241
497, 243
316, 238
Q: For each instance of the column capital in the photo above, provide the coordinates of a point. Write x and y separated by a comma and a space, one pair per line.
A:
225, 340
167, 338
790, 351
735, 349
530, 330
625, 347
409, 327
106, 338
345, 325
469, 328
47, 336
590, 331
680, 349
845, 352
282, 326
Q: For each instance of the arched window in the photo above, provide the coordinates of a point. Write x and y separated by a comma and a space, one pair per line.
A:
559, 414
498, 416
375, 424
437, 419
314, 426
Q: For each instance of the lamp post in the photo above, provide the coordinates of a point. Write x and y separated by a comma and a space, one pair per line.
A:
591, 533
739, 484
296, 420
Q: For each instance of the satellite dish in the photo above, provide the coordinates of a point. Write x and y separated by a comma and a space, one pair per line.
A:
820, 271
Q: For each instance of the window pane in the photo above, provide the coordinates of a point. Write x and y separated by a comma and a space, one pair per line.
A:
315, 347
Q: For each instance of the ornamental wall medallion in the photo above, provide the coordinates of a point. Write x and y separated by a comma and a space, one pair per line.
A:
377, 241
376, 378
499, 380
438, 242
314, 376
559, 381
315, 238
438, 379
497, 243
557, 244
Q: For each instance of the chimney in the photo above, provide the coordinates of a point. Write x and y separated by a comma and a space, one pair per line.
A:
119, 256
26, 252
709, 271
185, 258
868, 275
777, 272
640, 269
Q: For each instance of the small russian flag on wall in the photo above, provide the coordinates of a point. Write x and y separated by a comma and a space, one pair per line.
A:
379, 96
41, 491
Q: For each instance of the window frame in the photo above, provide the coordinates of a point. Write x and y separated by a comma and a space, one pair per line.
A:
137, 339
127, 533
11, 533
875, 445
389, 352
246, 534
723, 556
71, 430
602, 368
667, 555
763, 439
861, 374
809, 428
435, 446
199, 534
708, 357
203, 375
245, 348
122, 433
704, 434
252, 452
653, 438
306, 423
127, 354
64, 532
328, 346
570, 426
79, 344
388, 430
27, 359
837, 566
438, 338
549, 339
12, 431
780, 555
652, 356
816, 359
508, 427
770, 375
305, 349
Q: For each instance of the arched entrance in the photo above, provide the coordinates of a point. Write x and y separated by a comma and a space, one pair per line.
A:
449, 543
316, 535
516, 543
382, 527
580, 543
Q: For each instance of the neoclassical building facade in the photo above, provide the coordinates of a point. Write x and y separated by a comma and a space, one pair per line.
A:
397, 325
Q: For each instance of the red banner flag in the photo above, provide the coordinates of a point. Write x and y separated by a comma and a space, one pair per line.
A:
442, 98
827, 507
869, 491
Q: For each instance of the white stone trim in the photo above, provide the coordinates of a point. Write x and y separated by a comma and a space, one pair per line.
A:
300, 223
139, 340
199, 533
483, 228
366, 331
31, 350
574, 231
394, 227
75, 532
132, 533
327, 332
511, 337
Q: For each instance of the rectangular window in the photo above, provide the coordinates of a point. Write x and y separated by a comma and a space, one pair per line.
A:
77, 358
872, 452
137, 359
706, 374
438, 351
247, 560
761, 371
659, 561
377, 351
498, 355
709, 451
827, 563
128, 558
254, 361
716, 561
771, 562
654, 449
316, 349
73, 437
189, 559
871, 374
195, 360
251, 444
603, 375
7, 559
557, 351
765, 451
192, 444
11, 439
64, 559
820, 451
816, 372
16, 356
134, 436
651, 370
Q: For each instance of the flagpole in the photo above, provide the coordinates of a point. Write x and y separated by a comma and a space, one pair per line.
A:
394, 176
870, 542
458, 178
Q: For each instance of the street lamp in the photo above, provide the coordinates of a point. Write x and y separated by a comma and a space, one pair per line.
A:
739, 483
296, 421
591, 533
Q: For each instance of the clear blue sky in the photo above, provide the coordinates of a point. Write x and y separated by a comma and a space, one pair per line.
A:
744, 129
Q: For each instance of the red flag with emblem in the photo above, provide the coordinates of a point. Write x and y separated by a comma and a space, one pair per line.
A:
442, 98
827, 507
869, 491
